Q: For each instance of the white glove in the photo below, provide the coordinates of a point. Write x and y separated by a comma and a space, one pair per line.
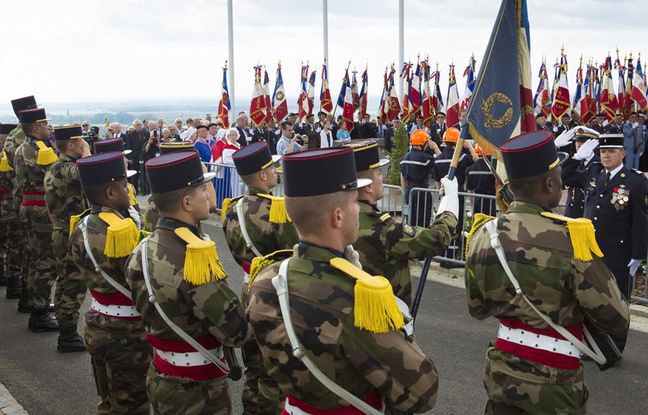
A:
586, 151
134, 214
635, 125
352, 256
605, 123
555, 129
634, 266
565, 138
450, 199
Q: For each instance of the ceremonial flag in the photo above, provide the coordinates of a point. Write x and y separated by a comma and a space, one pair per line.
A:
579, 86
584, 102
393, 106
542, 100
354, 91
622, 85
362, 98
266, 95
452, 112
341, 97
382, 108
325, 93
627, 97
608, 100
638, 93
561, 101
224, 106
469, 74
405, 74
438, 97
258, 103
311, 92
348, 110
415, 90
501, 106
428, 109
279, 102
302, 101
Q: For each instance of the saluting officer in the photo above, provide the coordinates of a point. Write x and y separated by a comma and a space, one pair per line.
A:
617, 205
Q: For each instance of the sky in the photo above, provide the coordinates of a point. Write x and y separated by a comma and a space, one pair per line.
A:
71, 51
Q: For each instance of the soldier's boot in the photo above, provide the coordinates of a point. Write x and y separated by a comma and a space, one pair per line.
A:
70, 341
3, 276
23, 302
13, 288
40, 321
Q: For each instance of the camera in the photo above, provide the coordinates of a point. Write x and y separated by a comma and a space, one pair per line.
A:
93, 133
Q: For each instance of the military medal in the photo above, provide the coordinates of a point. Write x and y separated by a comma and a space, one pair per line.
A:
620, 198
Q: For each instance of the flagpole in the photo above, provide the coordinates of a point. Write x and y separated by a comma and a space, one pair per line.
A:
230, 36
401, 44
325, 30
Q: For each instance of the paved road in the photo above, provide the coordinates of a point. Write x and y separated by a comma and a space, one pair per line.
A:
49, 383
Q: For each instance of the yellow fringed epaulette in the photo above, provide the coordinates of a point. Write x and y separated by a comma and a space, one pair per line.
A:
74, 219
581, 234
375, 307
46, 155
122, 236
227, 204
278, 212
131, 193
261, 262
4, 163
201, 264
479, 219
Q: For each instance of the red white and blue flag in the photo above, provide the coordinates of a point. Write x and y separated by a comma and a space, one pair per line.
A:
224, 106
362, 97
279, 102
258, 102
561, 101
311, 92
325, 93
452, 110
302, 101
639, 88
348, 109
469, 74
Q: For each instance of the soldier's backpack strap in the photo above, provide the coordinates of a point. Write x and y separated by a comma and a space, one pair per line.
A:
46, 155
174, 327
227, 204
280, 282
261, 262
278, 212
201, 259
244, 232
4, 163
83, 226
596, 355
581, 234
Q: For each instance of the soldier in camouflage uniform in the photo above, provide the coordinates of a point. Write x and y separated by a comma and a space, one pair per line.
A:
537, 373
386, 246
260, 234
113, 330
9, 276
330, 311
65, 199
33, 159
187, 281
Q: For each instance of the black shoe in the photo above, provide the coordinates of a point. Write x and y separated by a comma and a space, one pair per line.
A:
40, 321
70, 341
3, 281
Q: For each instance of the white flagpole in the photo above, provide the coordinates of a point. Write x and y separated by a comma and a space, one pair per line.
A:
325, 30
401, 44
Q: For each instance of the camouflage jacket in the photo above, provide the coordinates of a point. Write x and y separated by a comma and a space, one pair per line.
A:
97, 229
30, 176
322, 301
386, 246
15, 138
540, 254
63, 193
211, 308
151, 215
267, 237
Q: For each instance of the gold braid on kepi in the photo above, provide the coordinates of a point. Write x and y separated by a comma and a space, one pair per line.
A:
4, 163
479, 219
122, 236
374, 307
46, 155
261, 262
581, 234
278, 212
201, 264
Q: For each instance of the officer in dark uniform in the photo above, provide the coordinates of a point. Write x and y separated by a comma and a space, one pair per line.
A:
616, 204
579, 171
416, 167
480, 180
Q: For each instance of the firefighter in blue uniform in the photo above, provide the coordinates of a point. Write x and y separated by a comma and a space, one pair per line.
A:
416, 168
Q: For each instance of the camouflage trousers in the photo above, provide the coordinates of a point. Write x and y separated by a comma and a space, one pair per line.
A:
171, 395
120, 358
70, 289
16, 241
42, 271
518, 386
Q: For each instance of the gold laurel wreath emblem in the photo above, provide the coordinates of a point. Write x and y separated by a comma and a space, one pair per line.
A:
280, 96
487, 106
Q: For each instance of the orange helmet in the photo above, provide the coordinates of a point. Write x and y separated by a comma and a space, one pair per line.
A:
419, 138
481, 151
451, 135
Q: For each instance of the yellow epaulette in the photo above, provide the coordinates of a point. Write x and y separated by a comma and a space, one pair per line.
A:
278, 212
478, 220
4, 163
46, 155
375, 307
74, 219
131, 193
122, 236
385, 217
201, 264
261, 262
581, 234
227, 204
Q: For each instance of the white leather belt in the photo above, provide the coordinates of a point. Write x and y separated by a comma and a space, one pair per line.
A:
114, 310
246, 278
185, 359
537, 341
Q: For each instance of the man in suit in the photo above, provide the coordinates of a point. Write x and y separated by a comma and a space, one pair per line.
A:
598, 123
116, 132
135, 141
617, 206
159, 126
309, 129
367, 128
389, 133
438, 128
245, 135
541, 123
616, 126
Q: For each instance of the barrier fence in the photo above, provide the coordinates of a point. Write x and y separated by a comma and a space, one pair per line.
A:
415, 209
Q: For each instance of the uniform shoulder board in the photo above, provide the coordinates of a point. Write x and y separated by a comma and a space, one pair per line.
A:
479, 219
201, 264
639, 172
375, 308
581, 234
261, 262
227, 204
278, 212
